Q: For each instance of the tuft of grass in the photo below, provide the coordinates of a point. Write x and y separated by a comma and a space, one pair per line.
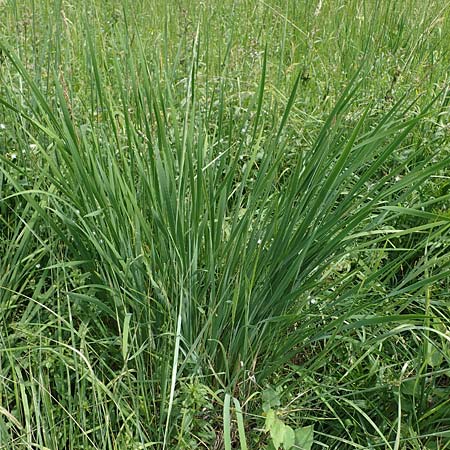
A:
180, 236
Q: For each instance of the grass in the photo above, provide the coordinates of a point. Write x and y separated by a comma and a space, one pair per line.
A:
224, 225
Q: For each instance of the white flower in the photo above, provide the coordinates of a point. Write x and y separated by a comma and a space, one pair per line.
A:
33, 146
38, 266
259, 241
2, 126
13, 156
318, 8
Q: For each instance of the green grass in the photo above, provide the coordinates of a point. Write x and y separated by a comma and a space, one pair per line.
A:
224, 225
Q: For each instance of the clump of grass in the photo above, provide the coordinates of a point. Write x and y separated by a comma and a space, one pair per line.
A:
170, 251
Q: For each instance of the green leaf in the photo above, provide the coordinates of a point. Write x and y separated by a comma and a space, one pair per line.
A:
288, 438
434, 356
240, 422
270, 420
409, 387
277, 432
125, 335
304, 437
227, 422
270, 399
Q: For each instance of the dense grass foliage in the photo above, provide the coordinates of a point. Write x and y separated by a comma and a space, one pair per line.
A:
224, 224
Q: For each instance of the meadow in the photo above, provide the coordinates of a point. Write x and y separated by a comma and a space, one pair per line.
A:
224, 224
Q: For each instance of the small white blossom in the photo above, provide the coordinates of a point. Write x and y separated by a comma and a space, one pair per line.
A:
33, 146
13, 156
259, 241
38, 266
318, 8
2, 126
